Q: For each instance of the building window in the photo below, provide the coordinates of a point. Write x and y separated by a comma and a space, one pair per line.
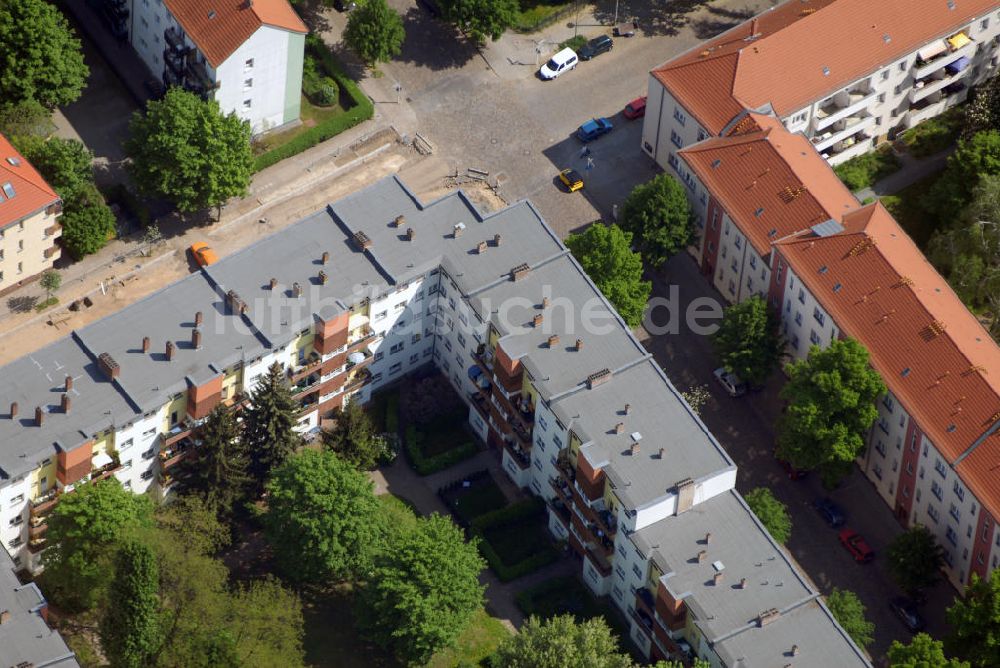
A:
798, 318
679, 116
247, 104
802, 296
248, 84
951, 536
395, 368
378, 356
902, 66
932, 513
959, 490
795, 342
675, 139
638, 573
396, 348
885, 75
936, 489
819, 316
955, 512
813, 337
248, 65
940, 468
413, 358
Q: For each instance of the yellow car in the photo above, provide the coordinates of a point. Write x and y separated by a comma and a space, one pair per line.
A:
571, 179
203, 255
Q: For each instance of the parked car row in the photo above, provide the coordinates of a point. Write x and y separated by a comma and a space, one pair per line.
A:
567, 59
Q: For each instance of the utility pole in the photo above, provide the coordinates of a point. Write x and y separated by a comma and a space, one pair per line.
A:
615, 22
576, 21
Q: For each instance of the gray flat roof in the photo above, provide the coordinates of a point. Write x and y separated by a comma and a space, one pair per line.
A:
39, 379
574, 300
25, 637
819, 642
662, 419
743, 548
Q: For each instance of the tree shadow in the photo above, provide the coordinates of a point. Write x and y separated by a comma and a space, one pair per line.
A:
433, 43
348, 60
22, 304
659, 17
314, 14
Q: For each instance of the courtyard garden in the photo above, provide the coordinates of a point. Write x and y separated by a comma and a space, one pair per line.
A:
473, 496
437, 434
515, 540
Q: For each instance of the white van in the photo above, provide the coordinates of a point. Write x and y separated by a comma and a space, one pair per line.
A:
563, 61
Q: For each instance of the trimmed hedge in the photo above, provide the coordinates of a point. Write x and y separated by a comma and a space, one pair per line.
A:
528, 508
361, 110
427, 465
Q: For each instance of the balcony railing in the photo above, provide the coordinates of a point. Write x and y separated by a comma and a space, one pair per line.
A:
946, 57
831, 113
517, 453
600, 562
176, 433
923, 89
854, 125
313, 362
170, 456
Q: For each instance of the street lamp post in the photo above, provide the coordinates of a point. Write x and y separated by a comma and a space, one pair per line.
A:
615, 22
576, 21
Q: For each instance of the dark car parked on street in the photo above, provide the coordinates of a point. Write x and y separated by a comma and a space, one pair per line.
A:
907, 612
596, 47
830, 511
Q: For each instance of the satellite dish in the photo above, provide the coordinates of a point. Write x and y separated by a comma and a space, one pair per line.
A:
356, 358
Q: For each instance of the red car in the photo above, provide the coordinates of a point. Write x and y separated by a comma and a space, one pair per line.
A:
793, 473
635, 109
856, 545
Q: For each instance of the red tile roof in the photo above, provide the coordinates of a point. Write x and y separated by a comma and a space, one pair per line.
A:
934, 355
803, 50
219, 27
31, 192
771, 183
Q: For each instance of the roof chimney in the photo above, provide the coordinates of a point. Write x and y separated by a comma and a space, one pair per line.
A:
717, 578
620, 428
537, 320
13, 410
708, 538
198, 318
553, 341
322, 278
108, 366
634, 448
39, 416
5, 617
410, 233
296, 290
326, 257
66, 403
545, 302
69, 383
274, 283
743, 583
579, 344
196, 338
663, 453
145, 344
628, 408
363, 241
481, 247
399, 221
497, 239
520, 271
457, 231
795, 650
170, 350
701, 555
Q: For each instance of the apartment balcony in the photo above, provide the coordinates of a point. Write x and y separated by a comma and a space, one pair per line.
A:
176, 433
171, 78
517, 453
563, 489
357, 363
559, 507
851, 130
360, 378
51, 252
175, 41
311, 363
842, 105
927, 87
934, 104
599, 561
943, 53
306, 386
645, 601
52, 230
36, 527
367, 337
174, 61
171, 456
643, 620
36, 545
105, 470
44, 503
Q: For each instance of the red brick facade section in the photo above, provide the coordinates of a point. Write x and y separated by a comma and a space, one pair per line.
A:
710, 248
73, 465
982, 542
776, 289
331, 334
907, 484
589, 480
203, 398
672, 612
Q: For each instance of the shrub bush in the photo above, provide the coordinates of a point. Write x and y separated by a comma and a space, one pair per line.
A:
360, 110
528, 509
426, 465
392, 413
864, 170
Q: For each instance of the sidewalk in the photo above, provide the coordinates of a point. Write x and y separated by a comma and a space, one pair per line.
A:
911, 171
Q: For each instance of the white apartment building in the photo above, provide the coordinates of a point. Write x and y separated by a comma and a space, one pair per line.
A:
379, 285
848, 74
246, 55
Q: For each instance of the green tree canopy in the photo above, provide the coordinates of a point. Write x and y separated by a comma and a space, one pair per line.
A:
221, 475
353, 438
269, 421
481, 19
87, 223
772, 513
321, 506
51, 280
130, 629
747, 341
658, 215
922, 652
849, 612
375, 32
915, 559
64, 163
974, 619
188, 152
974, 157
605, 253
561, 641
983, 111
40, 57
86, 528
27, 117
423, 591
831, 404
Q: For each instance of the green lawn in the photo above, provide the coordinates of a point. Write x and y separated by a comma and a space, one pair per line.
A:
864, 170
475, 644
568, 595
517, 540
536, 14
906, 207
935, 134
482, 497
311, 116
